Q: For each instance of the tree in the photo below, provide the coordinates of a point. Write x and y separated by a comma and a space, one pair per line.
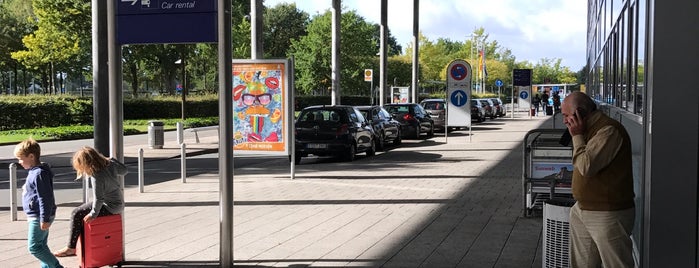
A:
13, 25
62, 39
313, 54
283, 23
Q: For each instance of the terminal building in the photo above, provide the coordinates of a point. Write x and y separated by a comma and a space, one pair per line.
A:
643, 60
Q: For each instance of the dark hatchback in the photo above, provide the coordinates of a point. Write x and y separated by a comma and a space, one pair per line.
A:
338, 130
477, 111
413, 119
386, 129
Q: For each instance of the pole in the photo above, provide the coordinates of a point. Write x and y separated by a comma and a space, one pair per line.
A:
183, 162
416, 46
225, 147
100, 77
13, 192
140, 170
180, 133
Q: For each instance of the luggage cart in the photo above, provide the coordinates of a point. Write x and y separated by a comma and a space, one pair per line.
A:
547, 169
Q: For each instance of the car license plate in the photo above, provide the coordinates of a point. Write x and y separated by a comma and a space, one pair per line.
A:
316, 146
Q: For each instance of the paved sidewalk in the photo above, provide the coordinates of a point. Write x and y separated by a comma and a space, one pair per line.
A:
426, 203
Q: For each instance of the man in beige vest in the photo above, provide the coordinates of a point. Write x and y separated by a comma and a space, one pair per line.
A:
602, 218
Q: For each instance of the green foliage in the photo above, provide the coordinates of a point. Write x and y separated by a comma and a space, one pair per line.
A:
313, 55
35, 111
283, 23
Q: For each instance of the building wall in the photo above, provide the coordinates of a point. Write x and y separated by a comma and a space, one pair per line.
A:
644, 57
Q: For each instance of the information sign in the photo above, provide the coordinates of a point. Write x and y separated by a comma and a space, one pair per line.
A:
166, 21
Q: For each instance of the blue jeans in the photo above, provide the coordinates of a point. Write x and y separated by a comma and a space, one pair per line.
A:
37, 240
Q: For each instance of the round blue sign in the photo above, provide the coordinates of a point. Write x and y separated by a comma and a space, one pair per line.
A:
524, 95
458, 71
498, 83
458, 98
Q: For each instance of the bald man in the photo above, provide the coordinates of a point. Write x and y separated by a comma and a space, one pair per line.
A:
602, 218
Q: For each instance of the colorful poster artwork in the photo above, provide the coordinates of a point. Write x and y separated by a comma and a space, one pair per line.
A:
258, 107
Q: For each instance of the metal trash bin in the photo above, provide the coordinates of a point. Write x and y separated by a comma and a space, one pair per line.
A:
555, 243
156, 134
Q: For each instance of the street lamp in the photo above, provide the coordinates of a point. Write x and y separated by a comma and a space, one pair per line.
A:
183, 62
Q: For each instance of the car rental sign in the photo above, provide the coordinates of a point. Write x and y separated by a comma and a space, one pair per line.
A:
459, 94
166, 21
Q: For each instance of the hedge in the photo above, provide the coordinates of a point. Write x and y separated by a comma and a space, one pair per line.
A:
35, 111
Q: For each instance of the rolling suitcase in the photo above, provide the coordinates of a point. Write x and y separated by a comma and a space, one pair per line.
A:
101, 242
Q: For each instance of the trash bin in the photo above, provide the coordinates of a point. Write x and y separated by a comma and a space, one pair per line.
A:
532, 112
555, 243
156, 134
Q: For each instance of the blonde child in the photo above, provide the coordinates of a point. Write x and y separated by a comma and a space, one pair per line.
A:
38, 201
107, 195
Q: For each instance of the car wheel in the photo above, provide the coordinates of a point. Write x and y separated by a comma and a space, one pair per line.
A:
430, 134
351, 152
417, 132
398, 140
297, 159
380, 142
372, 149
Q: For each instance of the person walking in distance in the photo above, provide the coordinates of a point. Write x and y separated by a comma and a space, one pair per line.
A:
38, 201
602, 218
107, 195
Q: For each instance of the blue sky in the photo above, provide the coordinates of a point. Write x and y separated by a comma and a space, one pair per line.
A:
531, 29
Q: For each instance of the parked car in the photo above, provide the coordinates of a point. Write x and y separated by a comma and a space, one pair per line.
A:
413, 118
487, 107
436, 108
386, 129
499, 107
338, 130
477, 111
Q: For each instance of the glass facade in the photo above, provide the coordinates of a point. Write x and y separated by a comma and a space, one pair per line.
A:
616, 52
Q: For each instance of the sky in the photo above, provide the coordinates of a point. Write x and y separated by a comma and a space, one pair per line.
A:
531, 29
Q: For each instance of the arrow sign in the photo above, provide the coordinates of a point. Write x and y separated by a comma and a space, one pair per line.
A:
133, 2
458, 98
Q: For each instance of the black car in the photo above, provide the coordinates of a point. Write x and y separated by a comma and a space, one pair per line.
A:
385, 127
413, 119
477, 111
338, 130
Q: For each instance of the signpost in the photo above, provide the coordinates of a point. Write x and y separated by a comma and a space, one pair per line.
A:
523, 78
498, 83
369, 77
458, 95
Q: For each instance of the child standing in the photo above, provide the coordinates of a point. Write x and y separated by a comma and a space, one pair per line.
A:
38, 201
107, 195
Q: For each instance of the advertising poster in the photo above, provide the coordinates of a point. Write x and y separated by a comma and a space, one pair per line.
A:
542, 170
259, 106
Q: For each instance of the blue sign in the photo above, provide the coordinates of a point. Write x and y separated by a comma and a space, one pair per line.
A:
498, 83
458, 71
166, 21
458, 98
524, 95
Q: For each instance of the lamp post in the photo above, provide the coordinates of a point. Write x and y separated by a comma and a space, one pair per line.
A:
183, 62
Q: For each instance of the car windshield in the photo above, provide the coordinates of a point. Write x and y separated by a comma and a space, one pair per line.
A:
398, 109
433, 105
320, 115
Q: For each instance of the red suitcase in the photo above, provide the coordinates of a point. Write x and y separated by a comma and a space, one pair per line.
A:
102, 242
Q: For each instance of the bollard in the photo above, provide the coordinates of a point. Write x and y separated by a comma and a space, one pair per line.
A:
140, 170
183, 158
180, 133
13, 192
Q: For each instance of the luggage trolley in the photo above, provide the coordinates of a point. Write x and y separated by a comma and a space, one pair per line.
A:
547, 169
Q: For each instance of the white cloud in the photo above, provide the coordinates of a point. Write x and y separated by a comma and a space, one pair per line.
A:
532, 29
